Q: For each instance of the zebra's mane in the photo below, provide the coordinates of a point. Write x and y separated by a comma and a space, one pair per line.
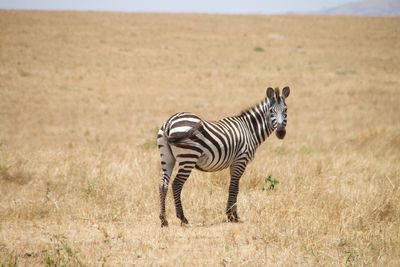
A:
277, 93
249, 109
264, 102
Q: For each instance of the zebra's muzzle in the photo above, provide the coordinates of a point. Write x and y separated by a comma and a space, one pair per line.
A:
280, 132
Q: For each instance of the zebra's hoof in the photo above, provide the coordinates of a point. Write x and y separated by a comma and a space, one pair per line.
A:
233, 217
164, 222
184, 221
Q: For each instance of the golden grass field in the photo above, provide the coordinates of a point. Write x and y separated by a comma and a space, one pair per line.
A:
82, 96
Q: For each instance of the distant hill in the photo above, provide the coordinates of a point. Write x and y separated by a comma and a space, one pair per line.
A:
366, 8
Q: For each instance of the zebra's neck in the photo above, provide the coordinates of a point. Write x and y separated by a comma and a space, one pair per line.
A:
256, 119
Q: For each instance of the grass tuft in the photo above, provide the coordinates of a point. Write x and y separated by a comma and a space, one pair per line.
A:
8, 259
270, 182
61, 253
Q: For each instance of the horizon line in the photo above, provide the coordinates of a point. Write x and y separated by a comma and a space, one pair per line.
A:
192, 12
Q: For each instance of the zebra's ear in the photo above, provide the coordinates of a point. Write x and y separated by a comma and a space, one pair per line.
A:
286, 91
270, 93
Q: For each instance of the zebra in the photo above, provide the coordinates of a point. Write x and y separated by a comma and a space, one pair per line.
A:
211, 146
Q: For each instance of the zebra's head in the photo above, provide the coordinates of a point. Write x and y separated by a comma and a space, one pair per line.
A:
277, 110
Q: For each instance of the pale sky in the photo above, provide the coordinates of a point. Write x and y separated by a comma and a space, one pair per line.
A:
177, 6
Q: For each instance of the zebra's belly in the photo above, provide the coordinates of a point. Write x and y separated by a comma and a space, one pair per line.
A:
208, 164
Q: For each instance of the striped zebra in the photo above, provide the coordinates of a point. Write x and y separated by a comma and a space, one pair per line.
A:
211, 146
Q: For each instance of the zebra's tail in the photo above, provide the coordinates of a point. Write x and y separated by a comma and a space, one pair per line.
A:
178, 134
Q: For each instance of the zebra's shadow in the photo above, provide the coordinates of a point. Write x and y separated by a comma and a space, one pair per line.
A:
212, 224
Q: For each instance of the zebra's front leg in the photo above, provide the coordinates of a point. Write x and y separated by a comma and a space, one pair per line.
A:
177, 185
236, 171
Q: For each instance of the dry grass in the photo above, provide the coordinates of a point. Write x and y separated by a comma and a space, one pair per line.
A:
81, 96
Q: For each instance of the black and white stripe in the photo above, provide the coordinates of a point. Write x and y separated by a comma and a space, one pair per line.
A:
210, 146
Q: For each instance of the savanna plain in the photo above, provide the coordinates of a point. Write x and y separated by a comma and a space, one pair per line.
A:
83, 93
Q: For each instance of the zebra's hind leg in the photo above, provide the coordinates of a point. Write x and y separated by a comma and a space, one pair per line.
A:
167, 165
185, 168
236, 170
